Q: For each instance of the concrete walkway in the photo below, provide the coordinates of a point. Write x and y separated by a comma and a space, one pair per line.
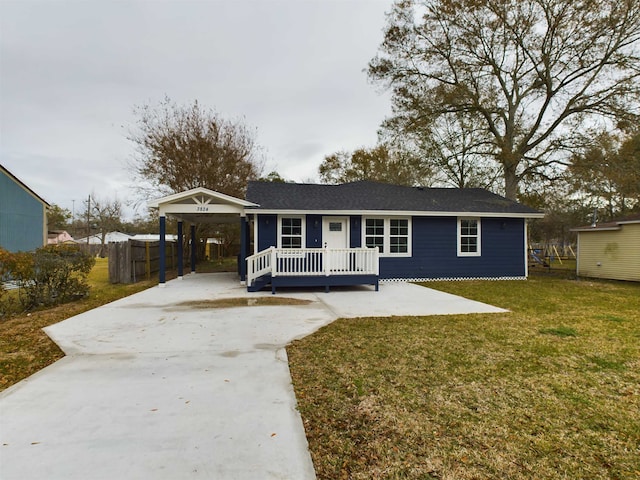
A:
153, 389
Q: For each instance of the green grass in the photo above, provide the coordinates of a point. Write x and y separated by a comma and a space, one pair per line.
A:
550, 390
560, 331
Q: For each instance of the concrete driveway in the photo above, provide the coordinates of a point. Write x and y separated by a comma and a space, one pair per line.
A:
153, 389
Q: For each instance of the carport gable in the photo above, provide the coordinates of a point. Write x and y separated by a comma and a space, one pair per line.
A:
201, 205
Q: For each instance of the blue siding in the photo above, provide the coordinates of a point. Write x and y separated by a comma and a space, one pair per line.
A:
434, 247
267, 231
314, 231
434, 251
21, 217
356, 232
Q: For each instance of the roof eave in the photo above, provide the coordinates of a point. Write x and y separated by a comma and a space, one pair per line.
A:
595, 229
405, 213
25, 186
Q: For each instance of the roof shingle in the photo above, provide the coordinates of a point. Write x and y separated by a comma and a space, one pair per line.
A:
369, 196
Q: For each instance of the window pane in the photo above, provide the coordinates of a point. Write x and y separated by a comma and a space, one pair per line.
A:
291, 242
374, 226
469, 227
335, 226
399, 245
399, 227
469, 244
375, 242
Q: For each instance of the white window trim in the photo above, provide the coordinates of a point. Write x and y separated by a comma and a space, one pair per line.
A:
459, 237
387, 235
303, 243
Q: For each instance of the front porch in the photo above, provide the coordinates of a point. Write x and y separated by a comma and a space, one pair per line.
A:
310, 267
273, 266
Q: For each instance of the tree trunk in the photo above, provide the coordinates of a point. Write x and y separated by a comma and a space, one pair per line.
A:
511, 180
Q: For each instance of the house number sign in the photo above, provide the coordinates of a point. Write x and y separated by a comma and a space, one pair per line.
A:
202, 209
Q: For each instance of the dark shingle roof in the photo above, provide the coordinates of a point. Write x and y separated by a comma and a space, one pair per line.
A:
368, 196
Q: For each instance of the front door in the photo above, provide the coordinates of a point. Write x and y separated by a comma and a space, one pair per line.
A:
335, 231
335, 235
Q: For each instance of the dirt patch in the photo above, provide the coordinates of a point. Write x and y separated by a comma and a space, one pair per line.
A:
243, 302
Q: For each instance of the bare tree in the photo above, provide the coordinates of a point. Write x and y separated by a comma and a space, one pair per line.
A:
184, 147
534, 73
453, 148
105, 216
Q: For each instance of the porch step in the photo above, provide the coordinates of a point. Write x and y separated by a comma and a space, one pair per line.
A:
260, 283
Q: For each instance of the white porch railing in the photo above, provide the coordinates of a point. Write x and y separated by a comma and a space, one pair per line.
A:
312, 262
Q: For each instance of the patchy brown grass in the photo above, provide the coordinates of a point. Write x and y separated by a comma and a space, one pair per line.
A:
550, 390
25, 348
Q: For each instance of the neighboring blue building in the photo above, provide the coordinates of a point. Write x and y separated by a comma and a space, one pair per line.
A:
23, 215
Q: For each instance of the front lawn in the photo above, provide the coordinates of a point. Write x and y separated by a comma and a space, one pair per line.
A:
25, 348
550, 390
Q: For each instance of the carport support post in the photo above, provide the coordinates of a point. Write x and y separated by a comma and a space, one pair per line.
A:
162, 252
243, 248
180, 253
193, 248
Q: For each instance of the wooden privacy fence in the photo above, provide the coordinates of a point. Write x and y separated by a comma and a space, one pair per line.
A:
134, 260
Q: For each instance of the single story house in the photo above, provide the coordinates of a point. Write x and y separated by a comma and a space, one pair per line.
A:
23, 215
96, 239
58, 237
610, 250
363, 232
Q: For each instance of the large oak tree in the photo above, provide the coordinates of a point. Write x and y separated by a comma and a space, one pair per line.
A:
533, 75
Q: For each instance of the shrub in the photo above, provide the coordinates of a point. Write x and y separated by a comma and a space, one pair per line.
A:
51, 275
6, 259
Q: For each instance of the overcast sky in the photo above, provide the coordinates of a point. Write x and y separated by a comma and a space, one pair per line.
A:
72, 72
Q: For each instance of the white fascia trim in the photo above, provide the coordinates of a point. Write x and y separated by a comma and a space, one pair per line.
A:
596, 229
393, 213
200, 191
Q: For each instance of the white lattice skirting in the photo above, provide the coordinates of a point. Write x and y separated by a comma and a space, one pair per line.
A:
447, 279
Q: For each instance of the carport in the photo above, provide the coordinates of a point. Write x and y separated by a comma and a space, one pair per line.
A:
197, 206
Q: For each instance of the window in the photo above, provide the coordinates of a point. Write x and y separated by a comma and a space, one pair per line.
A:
291, 232
468, 237
399, 235
390, 235
374, 233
